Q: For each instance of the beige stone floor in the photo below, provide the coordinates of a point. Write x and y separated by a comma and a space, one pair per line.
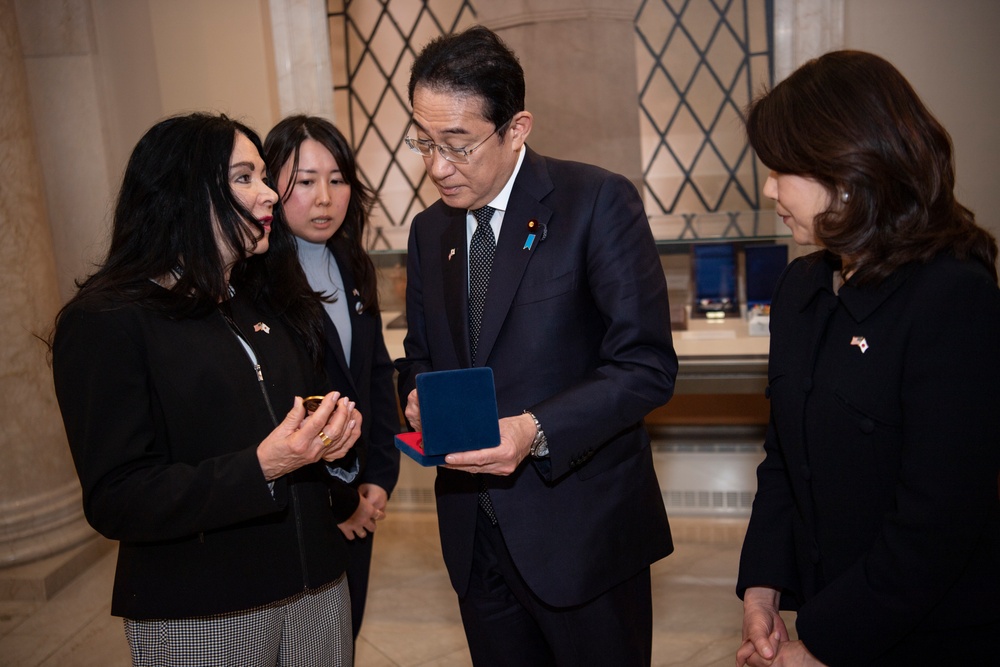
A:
412, 616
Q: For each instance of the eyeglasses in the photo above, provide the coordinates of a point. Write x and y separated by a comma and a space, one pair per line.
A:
425, 147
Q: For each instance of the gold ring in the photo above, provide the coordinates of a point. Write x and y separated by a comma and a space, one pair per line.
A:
325, 438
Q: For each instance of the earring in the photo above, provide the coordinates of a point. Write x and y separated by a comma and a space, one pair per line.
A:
845, 197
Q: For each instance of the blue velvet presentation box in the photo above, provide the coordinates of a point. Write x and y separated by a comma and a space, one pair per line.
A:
458, 413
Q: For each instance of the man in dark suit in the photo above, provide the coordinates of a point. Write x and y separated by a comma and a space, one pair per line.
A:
549, 536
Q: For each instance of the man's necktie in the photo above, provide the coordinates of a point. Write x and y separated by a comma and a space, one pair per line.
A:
480, 262
481, 251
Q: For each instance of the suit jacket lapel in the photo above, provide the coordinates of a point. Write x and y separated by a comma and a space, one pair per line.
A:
455, 252
512, 256
334, 342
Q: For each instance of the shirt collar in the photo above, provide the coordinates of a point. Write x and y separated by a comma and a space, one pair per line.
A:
501, 200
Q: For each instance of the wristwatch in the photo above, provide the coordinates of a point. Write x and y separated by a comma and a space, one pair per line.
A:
540, 445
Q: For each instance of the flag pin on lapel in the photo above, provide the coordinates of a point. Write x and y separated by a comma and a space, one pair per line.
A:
860, 342
260, 326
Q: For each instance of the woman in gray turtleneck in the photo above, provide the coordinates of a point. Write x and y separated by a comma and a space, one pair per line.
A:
325, 205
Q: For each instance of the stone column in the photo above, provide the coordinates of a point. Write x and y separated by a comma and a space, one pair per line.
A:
301, 40
40, 511
580, 72
805, 29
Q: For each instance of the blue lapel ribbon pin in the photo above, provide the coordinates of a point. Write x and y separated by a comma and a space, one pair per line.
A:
534, 229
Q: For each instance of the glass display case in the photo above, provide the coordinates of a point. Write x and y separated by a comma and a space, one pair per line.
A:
718, 356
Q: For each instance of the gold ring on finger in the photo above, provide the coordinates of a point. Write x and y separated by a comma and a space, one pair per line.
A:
325, 438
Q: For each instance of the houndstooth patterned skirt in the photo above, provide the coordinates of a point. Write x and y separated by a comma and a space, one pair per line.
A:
309, 629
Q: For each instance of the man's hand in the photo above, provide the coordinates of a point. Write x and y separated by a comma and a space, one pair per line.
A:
412, 411
516, 435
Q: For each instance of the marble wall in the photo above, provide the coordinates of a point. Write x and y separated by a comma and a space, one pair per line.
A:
583, 93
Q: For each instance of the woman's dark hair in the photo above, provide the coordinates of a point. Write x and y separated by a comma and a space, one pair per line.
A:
176, 181
282, 144
853, 123
473, 62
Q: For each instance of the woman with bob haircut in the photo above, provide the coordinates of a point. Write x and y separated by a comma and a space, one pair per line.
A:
325, 205
180, 367
877, 516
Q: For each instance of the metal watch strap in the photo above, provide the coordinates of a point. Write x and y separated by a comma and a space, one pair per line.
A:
540, 445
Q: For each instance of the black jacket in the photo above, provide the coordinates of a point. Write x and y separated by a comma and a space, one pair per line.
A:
164, 418
368, 381
877, 512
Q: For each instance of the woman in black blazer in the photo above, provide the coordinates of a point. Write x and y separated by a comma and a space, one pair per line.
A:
325, 205
877, 516
180, 367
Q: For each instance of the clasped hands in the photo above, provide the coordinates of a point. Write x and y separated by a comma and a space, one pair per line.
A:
765, 637
372, 500
516, 435
299, 439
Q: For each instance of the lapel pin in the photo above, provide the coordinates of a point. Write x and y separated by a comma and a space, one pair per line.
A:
535, 230
355, 292
260, 326
451, 253
860, 342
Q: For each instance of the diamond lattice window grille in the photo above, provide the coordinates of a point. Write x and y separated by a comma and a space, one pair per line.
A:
373, 44
699, 64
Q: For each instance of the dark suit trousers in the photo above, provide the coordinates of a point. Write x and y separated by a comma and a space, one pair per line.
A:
506, 624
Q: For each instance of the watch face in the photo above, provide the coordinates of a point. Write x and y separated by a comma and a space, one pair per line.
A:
540, 445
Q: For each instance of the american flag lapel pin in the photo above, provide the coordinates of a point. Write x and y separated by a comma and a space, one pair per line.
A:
260, 326
860, 342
